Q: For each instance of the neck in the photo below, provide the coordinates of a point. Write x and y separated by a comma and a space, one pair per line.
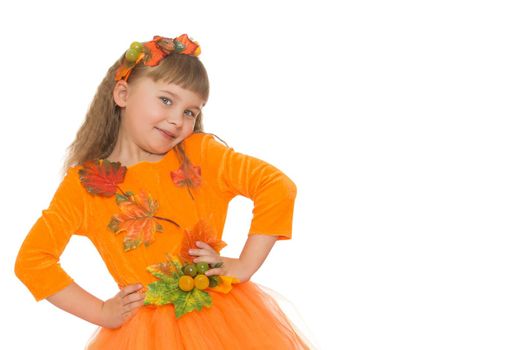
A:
128, 153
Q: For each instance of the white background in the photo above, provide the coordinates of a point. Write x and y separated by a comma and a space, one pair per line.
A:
401, 122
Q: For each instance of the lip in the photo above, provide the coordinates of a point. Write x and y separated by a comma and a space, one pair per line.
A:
167, 133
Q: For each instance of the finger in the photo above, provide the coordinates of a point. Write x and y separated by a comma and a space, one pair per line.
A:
126, 315
198, 252
204, 251
210, 259
133, 297
202, 244
205, 246
133, 312
216, 271
132, 288
133, 305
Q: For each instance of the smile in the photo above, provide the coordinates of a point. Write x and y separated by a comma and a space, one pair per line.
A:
165, 133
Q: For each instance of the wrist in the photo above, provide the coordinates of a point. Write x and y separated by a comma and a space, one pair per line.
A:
101, 314
245, 270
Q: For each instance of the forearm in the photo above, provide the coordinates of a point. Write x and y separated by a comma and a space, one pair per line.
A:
255, 251
78, 302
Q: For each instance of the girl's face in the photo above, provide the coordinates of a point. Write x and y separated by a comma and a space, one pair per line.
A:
155, 116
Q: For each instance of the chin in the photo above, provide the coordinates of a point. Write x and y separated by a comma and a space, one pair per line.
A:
160, 149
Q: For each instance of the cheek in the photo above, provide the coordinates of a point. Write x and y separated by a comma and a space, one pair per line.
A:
139, 124
148, 118
190, 125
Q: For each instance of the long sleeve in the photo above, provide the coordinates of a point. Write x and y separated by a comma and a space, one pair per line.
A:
37, 264
272, 192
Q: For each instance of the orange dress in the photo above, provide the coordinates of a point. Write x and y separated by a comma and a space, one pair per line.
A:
134, 228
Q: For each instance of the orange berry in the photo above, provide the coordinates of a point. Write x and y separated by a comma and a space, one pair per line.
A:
186, 283
201, 282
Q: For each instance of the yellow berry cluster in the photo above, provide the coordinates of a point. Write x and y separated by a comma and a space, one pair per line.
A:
135, 49
194, 277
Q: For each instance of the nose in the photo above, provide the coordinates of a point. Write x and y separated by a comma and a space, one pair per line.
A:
176, 118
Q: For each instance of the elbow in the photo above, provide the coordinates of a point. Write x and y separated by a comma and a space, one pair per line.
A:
291, 188
41, 279
20, 268
24, 268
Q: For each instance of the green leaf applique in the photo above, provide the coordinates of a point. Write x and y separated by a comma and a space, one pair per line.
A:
166, 290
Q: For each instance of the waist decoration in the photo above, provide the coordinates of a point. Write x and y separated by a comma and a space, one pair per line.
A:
183, 283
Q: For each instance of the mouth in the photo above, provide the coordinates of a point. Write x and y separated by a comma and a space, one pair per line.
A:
166, 133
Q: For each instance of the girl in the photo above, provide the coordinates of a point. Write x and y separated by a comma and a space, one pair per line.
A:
150, 189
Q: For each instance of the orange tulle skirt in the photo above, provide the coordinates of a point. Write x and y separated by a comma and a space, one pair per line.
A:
245, 318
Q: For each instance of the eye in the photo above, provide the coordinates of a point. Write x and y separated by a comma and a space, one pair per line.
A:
190, 114
165, 99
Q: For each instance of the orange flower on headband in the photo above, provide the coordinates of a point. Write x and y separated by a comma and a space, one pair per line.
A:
152, 52
190, 47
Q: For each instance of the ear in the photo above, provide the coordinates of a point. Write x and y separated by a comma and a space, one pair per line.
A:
120, 93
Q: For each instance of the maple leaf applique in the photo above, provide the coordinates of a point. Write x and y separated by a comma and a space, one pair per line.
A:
137, 218
187, 175
101, 177
137, 212
202, 232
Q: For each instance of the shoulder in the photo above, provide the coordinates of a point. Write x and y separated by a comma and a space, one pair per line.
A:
200, 145
69, 193
77, 177
71, 179
71, 175
200, 139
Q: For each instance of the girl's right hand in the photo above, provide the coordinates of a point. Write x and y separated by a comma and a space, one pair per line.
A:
121, 307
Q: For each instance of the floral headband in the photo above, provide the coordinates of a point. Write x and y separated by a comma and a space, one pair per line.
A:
152, 52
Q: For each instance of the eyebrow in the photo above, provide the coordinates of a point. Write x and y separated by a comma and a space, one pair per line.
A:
177, 97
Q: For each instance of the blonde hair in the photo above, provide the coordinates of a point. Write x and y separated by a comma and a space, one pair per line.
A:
97, 136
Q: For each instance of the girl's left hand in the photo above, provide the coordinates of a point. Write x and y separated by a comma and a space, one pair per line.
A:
231, 266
